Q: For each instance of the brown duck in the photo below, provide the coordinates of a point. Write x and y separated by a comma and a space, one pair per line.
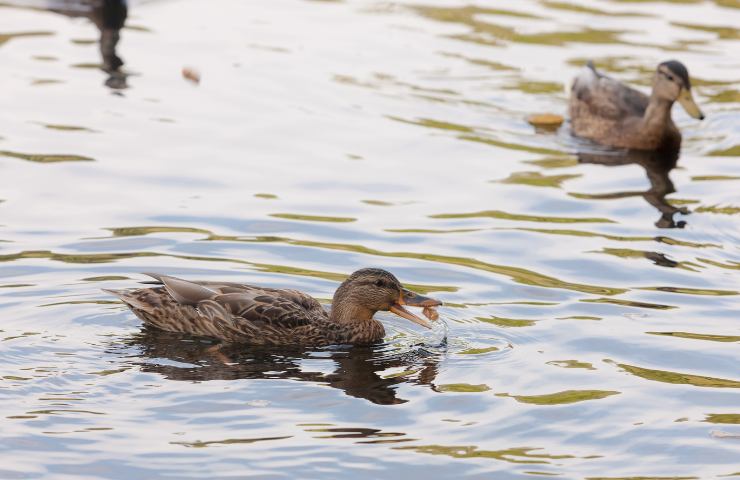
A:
612, 113
238, 313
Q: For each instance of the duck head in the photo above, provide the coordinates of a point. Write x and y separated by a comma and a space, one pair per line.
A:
672, 83
370, 290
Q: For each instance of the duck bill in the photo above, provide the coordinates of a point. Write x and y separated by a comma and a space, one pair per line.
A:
686, 99
412, 299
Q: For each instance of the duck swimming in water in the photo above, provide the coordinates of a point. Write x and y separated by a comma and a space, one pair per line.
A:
612, 113
238, 313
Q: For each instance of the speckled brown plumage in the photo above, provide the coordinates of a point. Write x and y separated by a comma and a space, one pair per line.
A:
612, 113
238, 313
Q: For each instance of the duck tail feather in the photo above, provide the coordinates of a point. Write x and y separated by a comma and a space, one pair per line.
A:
591, 66
185, 292
129, 299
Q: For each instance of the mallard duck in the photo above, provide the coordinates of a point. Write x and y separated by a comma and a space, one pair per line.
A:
612, 113
238, 313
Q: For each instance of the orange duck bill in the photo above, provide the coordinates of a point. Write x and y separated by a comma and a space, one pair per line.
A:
412, 299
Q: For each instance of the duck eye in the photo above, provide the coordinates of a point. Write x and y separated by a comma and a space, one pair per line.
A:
379, 283
670, 77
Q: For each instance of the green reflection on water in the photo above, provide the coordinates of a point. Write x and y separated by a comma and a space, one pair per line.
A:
501, 215
725, 96
75, 258
708, 178
555, 162
571, 7
699, 336
313, 218
727, 210
561, 398
692, 291
82, 302
67, 128
733, 151
679, 378
509, 145
137, 231
481, 62
580, 317
45, 158
725, 33
463, 388
5, 37
587, 35
104, 278
643, 478
619, 238
506, 322
228, 441
729, 418
488, 33
62, 411
519, 275
571, 364
730, 266
629, 303
470, 134
478, 351
46, 81
432, 231
511, 455
535, 87
536, 179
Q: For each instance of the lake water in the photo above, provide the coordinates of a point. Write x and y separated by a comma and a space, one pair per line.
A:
588, 330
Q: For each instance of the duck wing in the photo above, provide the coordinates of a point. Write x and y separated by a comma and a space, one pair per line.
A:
227, 311
260, 306
606, 97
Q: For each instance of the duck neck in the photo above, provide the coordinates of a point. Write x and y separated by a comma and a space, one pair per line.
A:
357, 325
657, 114
347, 312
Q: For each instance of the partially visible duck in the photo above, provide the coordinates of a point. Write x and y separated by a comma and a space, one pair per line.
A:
612, 113
238, 313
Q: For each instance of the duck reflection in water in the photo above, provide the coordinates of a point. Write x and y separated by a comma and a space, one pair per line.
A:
110, 17
357, 370
657, 164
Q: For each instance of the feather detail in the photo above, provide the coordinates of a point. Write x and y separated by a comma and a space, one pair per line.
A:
185, 292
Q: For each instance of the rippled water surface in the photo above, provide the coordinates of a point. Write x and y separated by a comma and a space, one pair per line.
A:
591, 320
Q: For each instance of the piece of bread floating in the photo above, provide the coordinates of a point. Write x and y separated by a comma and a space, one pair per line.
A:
545, 120
430, 313
191, 74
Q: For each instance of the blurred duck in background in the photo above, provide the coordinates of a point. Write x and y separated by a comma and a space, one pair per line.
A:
612, 113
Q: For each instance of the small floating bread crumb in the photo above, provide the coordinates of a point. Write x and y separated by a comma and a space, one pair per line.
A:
546, 120
191, 74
